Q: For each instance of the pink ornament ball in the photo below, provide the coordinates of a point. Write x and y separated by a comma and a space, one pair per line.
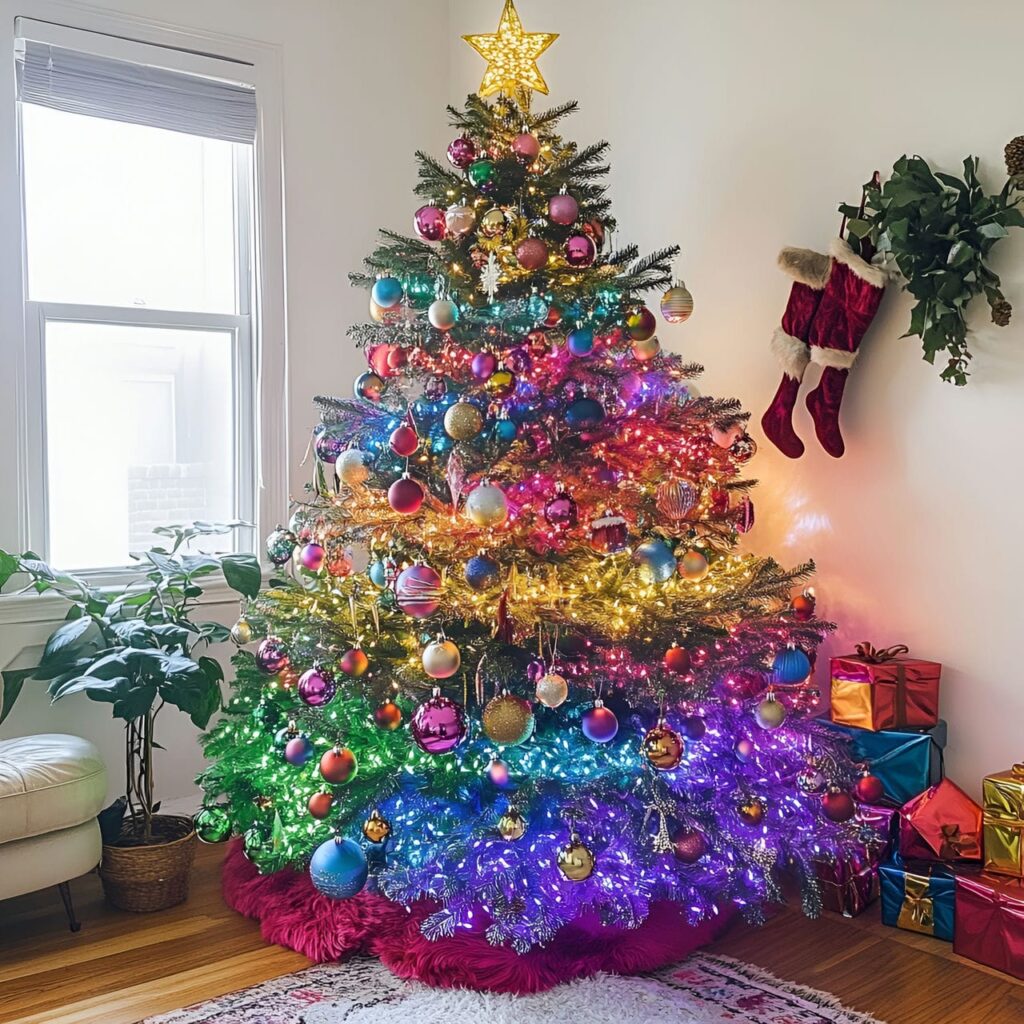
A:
532, 254
498, 773
316, 688
483, 365
688, 845
461, 152
271, 656
580, 251
418, 591
404, 440
599, 723
312, 556
744, 749
429, 224
526, 147
438, 725
563, 209
405, 496
726, 437
298, 750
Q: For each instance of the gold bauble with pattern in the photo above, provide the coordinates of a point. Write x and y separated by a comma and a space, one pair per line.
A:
512, 825
576, 859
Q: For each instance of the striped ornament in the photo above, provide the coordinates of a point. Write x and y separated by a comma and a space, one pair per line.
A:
677, 303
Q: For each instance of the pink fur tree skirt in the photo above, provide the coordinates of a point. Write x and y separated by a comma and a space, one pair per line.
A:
293, 914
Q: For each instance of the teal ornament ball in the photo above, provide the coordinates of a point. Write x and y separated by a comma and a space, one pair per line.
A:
537, 307
584, 414
505, 429
377, 573
480, 172
656, 561
387, 292
280, 545
790, 665
419, 290
212, 825
581, 341
338, 868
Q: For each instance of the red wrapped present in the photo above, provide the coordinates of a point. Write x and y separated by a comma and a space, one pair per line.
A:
990, 921
849, 883
879, 689
943, 823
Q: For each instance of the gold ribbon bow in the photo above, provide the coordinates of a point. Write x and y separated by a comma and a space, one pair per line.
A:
953, 842
917, 914
876, 655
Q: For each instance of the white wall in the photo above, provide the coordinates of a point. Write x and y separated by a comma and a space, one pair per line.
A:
736, 128
364, 85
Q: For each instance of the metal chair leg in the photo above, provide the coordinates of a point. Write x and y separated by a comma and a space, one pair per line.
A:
69, 908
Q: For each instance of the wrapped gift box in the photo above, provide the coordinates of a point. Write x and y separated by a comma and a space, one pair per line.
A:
906, 762
989, 924
943, 823
1003, 821
883, 690
918, 897
849, 883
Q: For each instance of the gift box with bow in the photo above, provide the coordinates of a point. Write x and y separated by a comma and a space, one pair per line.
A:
906, 762
943, 823
989, 922
918, 897
1003, 821
849, 882
880, 689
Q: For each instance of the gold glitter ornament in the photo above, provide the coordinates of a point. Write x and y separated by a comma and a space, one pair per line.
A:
508, 720
376, 828
663, 747
463, 421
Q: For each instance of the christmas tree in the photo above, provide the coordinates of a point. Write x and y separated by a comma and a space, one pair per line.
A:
558, 686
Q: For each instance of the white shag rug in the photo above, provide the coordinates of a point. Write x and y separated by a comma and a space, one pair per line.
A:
703, 989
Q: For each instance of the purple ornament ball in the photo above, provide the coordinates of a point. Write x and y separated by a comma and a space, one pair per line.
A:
599, 723
298, 750
688, 845
694, 727
518, 360
461, 152
563, 209
439, 725
316, 687
271, 656
312, 556
483, 365
329, 447
429, 223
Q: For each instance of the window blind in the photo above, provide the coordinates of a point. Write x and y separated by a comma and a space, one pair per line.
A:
85, 83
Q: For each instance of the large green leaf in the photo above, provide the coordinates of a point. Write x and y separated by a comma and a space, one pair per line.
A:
65, 639
13, 680
88, 683
134, 703
10, 565
242, 573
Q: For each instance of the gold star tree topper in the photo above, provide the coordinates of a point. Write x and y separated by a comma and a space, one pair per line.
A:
511, 55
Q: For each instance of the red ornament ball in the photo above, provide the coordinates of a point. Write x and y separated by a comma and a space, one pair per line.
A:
526, 147
838, 806
320, 805
869, 789
688, 845
404, 440
640, 324
677, 660
354, 662
338, 766
388, 716
802, 607
405, 496
532, 254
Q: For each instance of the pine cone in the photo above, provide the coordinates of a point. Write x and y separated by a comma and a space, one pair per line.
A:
1001, 311
1014, 154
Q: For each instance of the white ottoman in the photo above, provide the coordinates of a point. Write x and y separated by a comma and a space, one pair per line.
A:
51, 788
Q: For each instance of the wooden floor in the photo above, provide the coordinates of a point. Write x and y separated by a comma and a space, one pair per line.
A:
122, 967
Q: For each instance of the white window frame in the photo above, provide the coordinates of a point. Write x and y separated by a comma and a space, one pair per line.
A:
260, 362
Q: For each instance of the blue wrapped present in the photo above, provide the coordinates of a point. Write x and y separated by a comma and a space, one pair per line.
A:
906, 762
918, 897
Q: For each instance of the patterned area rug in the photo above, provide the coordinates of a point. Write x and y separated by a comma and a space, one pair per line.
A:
704, 989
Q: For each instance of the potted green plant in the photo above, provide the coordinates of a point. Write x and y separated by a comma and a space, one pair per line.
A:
137, 649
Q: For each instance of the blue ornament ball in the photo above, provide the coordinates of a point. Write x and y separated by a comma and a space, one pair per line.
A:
584, 414
656, 561
387, 291
581, 341
790, 666
481, 571
505, 430
338, 868
377, 573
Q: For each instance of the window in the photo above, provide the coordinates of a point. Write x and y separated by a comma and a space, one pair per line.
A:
142, 368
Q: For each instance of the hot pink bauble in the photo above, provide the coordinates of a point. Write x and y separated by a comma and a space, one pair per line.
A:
526, 147
316, 688
580, 251
312, 556
439, 725
563, 209
271, 656
404, 440
418, 591
532, 253
405, 496
429, 223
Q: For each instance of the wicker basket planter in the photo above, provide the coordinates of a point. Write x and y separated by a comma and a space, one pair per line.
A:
145, 877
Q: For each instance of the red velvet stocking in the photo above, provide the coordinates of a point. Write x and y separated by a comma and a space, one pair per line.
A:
809, 271
847, 307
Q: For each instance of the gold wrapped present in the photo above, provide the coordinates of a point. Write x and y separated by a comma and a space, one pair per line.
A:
1003, 821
